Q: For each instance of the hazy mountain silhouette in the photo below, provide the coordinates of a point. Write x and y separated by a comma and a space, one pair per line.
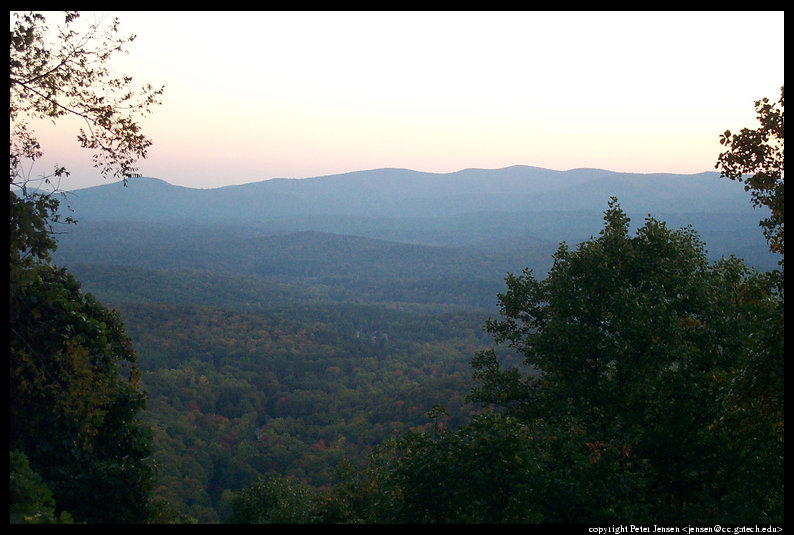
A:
461, 224
405, 193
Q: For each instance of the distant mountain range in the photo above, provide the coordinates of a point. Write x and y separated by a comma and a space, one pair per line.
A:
363, 232
401, 193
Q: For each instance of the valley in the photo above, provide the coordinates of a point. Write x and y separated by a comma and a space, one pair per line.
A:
285, 326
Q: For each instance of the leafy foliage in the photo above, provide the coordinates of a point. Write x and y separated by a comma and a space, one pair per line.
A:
71, 77
31, 499
635, 403
477, 473
277, 500
256, 379
651, 387
72, 411
289, 392
637, 341
759, 153
75, 397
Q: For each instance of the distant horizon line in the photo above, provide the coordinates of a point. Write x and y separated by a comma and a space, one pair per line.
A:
110, 183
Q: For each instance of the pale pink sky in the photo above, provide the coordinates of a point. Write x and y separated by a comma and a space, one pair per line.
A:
257, 95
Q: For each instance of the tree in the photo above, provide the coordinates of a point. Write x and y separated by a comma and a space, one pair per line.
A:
634, 344
635, 405
49, 81
75, 400
71, 78
75, 397
276, 500
754, 401
482, 472
759, 153
31, 500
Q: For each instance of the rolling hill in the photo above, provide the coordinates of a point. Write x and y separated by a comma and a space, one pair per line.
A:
402, 193
393, 235
284, 325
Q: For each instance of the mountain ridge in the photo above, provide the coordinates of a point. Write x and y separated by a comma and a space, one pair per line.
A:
396, 192
391, 236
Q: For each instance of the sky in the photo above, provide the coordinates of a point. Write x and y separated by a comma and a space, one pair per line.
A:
251, 96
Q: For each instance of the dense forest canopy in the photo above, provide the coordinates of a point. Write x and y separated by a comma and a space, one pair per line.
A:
321, 377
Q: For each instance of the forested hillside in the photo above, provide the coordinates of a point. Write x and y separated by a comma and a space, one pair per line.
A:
294, 346
275, 350
313, 351
235, 395
515, 345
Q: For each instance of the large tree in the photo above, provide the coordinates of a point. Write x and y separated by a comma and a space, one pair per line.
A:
75, 398
627, 409
636, 343
75, 401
